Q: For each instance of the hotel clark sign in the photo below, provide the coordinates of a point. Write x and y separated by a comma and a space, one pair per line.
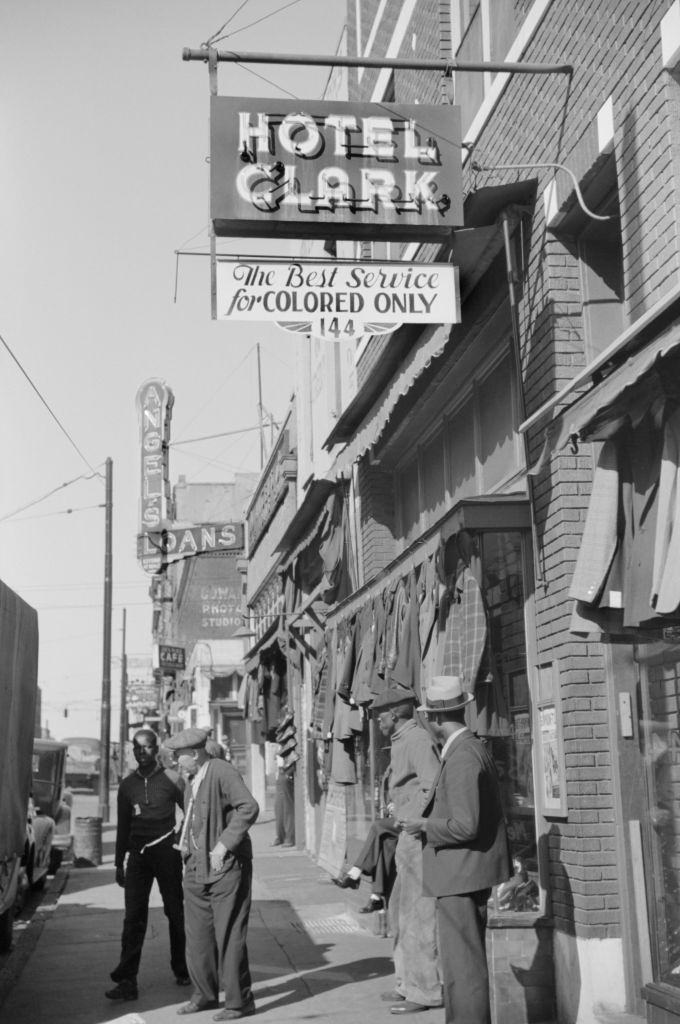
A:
313, 169
333, 300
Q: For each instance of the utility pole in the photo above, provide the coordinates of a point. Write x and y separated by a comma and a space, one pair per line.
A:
259, 407
105, 735
122, 738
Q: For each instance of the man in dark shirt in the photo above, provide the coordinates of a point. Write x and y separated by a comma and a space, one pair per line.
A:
147, 799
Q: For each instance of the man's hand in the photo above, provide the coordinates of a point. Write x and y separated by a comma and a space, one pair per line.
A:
217, 855
120, 877
413, 826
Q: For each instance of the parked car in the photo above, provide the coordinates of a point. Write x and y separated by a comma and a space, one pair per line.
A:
38, 849
51, 796
82, 762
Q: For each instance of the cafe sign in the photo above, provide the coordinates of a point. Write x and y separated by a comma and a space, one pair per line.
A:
330, 299
315, 169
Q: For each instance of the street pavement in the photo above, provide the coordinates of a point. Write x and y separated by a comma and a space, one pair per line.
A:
312, 956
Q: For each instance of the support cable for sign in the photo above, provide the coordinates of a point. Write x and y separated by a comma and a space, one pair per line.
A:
250, 24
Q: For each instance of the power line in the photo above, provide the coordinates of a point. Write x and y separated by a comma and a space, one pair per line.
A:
230, 377
50, 411
60, 487
60, 512
210, 437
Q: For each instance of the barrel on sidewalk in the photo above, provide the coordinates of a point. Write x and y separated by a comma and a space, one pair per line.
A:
87, 842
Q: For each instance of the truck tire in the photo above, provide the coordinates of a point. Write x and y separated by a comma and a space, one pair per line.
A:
6, 922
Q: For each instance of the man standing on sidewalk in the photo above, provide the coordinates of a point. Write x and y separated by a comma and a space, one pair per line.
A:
414, 765
147, 802
217, 855
466, 851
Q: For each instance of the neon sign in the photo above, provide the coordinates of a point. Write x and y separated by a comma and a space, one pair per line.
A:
333, 170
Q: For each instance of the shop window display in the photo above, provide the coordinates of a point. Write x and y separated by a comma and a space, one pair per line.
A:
509, 735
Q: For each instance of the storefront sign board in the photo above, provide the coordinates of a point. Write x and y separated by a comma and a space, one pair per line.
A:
332, 299
320, 169
334, 831
154, 407
160, 548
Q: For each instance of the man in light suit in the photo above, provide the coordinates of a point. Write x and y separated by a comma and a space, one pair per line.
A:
466, 850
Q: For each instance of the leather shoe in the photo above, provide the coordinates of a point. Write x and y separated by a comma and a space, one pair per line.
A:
125, 990
391, 997
196, 1007
372, 906
234, 1014
406, 1006
346, 882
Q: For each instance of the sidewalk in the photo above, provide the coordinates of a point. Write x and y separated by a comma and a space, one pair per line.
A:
312, 956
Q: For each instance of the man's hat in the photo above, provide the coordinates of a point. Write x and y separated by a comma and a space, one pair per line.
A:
187, 739
392, 696
446, 693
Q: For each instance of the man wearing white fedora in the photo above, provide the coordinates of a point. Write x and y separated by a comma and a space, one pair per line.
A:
466, 850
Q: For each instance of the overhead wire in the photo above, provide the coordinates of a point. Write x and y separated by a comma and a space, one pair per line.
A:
207, 402
44, 497
210, 437
60, 512
49, 409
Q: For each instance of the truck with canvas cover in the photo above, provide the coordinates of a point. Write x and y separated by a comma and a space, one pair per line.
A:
18, 688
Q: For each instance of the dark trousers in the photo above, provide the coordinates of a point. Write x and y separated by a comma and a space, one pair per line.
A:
284, 808
164, 864
216, 915
462, 938
377, 856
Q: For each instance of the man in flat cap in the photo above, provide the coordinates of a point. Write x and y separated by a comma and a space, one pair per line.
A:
414, 765
466, 850
217, 854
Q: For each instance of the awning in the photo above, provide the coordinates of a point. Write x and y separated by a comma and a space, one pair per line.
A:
599, 412
430, 345
474, 246
662, 315
306, 521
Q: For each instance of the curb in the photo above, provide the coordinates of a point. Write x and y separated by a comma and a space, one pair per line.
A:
26, 940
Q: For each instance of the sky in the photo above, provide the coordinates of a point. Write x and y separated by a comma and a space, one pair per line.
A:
104, 140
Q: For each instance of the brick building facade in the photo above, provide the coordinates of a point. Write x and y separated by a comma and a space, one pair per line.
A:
527, 448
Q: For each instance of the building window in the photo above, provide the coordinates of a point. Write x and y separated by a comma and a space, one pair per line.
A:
481, 30
600, 254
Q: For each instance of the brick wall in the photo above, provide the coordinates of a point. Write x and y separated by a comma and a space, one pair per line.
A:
542, 119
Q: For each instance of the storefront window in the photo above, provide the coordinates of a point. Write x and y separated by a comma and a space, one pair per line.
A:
509, 735
660, 735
